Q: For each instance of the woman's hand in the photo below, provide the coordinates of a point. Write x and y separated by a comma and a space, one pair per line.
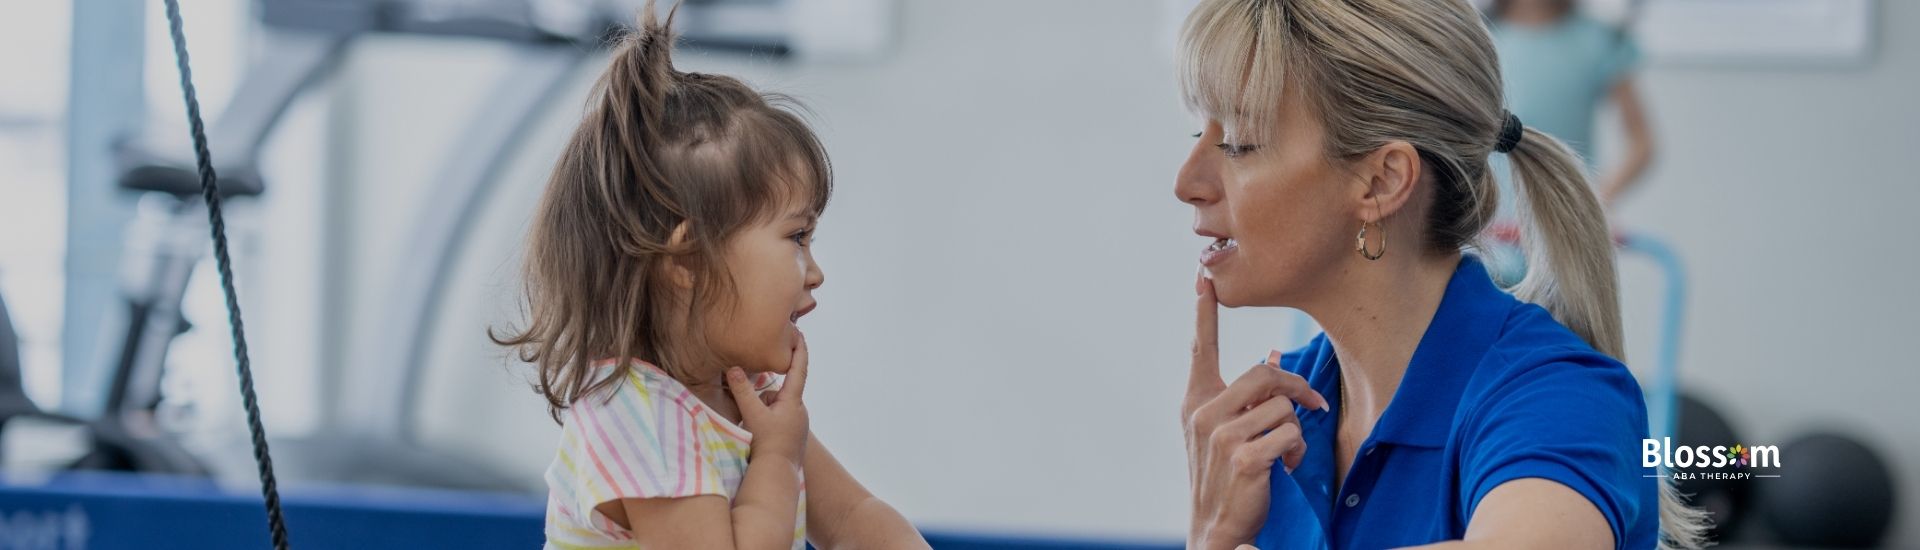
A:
1235, 434
777, 420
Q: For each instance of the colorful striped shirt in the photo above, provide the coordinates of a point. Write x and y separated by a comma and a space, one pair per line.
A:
651, 438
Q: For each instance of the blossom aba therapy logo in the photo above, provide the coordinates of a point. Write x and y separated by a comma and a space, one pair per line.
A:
1709, 461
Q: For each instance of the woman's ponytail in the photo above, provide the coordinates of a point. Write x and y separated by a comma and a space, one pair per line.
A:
1570, 272
1570, 268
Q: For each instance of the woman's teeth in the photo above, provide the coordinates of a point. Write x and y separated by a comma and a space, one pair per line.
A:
1218, 251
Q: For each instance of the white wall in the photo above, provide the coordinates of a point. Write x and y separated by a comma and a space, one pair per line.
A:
1004, 327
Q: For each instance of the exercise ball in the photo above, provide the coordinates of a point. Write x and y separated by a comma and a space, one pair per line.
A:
1833, 491
1727, 501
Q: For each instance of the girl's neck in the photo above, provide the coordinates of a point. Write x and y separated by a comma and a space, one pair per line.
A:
716, 397
1375, 317
705, 383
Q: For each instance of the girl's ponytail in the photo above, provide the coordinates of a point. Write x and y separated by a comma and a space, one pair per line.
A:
632, 101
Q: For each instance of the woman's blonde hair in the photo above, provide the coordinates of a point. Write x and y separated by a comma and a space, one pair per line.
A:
657, 150
1422, 72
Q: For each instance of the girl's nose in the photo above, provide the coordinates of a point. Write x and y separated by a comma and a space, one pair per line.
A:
815, 277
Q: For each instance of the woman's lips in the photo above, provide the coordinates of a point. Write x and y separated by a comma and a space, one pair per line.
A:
1218, 252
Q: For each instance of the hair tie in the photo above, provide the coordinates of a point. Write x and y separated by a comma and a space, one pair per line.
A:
1510, 133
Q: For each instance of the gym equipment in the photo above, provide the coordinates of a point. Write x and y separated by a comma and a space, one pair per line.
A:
1833, 491
13, 396
303, 41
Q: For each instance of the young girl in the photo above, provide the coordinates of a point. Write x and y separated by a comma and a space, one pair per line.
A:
667, 265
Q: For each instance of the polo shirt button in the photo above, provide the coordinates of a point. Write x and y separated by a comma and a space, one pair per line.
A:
1353, 500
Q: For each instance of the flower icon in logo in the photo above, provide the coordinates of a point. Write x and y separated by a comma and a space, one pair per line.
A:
1737, 455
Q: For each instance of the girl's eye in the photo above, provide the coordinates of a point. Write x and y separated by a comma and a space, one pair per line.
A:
1196, 135
801, 237
1235, 151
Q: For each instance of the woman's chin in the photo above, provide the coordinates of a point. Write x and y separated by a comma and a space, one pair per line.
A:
1232, 295
1228, 292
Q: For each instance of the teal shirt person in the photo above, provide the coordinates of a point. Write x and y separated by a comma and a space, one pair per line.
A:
1556, 78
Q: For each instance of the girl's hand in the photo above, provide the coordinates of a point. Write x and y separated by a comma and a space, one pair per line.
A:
1235, 433
777, 420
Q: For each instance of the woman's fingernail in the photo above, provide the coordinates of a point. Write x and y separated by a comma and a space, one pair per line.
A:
1273, 357
735, 374
1199, 278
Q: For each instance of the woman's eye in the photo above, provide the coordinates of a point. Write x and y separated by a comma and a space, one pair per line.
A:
802, 237
1196, 135
1235, 151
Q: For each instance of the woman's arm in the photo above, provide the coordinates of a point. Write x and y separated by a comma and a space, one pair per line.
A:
1639, 154
841, 514
1533, 513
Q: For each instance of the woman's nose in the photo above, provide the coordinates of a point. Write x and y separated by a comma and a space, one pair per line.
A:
1198, 182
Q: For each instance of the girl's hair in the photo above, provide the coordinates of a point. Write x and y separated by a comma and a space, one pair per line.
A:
1423, 72
658, 149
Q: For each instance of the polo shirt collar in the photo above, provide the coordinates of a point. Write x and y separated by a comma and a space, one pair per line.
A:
1469, 319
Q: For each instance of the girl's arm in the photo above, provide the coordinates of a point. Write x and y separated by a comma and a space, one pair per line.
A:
760, 517
841, 514
1639, 154
705, 522
762, 513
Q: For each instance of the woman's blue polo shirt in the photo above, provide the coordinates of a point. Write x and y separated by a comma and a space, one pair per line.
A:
1496, 391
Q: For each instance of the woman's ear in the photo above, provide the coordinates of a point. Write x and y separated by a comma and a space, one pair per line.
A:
678, 269
1389, 177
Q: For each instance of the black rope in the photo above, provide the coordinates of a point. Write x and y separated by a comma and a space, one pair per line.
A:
210, 190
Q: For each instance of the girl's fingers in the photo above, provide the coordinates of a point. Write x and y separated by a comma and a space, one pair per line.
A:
796, 372
743, 395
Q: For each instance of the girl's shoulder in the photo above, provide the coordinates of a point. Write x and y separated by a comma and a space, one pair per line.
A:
638, 387
645, 395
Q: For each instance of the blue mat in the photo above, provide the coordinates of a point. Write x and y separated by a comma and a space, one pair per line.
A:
104, 510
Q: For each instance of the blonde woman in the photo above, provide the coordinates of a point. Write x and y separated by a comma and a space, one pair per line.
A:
1343, 169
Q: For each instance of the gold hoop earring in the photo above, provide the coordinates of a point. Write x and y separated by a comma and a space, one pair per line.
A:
1360, 242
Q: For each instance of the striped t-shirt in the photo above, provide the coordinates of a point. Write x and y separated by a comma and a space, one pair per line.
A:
652, 438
